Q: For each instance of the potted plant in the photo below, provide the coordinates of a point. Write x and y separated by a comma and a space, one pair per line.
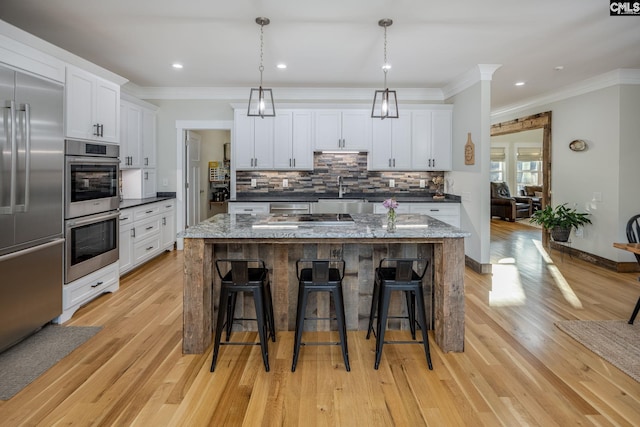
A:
560, 220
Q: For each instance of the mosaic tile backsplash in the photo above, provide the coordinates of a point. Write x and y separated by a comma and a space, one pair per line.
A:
324, 178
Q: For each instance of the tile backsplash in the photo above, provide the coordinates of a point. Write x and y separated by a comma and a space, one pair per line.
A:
327, 167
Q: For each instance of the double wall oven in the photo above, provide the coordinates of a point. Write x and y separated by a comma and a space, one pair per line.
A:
91, 207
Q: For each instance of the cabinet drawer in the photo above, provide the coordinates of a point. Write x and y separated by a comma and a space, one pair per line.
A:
249, 208
146, 249
126, 217
167, 205
435, 209
146, 211
90, 285
144, 229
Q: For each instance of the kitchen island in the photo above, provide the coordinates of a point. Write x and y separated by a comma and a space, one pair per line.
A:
280, 241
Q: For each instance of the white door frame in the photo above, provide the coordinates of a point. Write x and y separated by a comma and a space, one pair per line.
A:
181, 127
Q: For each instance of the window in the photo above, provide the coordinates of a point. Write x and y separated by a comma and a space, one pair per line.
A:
528, 167
498, 164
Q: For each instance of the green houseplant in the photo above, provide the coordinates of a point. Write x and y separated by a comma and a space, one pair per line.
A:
560, 220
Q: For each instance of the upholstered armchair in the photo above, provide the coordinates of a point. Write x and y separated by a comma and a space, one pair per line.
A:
506, 206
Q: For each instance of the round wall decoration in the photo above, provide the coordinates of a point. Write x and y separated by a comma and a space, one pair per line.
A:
578, 145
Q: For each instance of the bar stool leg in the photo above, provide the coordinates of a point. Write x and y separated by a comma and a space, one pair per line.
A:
383, 308
635, 313
422, 319
270, 318
231, 310
258, 297
302, 305
224, 296
374, 306
342, 328
411, 311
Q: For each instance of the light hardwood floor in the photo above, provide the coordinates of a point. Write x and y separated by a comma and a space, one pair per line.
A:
517, 368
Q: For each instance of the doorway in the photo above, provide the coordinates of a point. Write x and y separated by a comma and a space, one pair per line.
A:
536, 121
193, 145
182, 126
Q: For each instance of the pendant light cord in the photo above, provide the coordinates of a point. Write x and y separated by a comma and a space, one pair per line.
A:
385, 65
261, 67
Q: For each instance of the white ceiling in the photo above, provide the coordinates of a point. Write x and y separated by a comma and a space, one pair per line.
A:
338, 43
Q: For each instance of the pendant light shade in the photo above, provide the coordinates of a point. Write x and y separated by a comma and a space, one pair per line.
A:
261, 99
385, 102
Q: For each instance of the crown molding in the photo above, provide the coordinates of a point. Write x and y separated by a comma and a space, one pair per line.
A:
623, 76
281, 93
476, 74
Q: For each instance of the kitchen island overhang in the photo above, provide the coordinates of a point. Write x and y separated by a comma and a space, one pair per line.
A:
361, 243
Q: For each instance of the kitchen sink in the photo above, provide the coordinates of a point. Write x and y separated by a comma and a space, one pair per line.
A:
341, 205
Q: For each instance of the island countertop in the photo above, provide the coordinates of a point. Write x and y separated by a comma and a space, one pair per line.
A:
364, 226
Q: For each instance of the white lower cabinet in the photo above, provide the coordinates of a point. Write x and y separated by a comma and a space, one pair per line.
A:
249, 208
86, 288
445, 212
146, 231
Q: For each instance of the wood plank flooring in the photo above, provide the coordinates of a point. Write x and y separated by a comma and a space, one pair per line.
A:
517, 367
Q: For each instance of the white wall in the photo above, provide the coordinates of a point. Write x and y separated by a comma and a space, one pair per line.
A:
606, 167
171, 111
471, 113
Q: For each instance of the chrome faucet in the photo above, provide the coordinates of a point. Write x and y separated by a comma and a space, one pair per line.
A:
340, 187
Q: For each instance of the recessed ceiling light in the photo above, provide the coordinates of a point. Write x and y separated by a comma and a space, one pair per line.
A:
177, 65
519, 83
281, 66
559, 68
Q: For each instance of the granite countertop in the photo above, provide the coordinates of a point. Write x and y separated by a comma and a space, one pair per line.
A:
364, 226
132, 203
416, 197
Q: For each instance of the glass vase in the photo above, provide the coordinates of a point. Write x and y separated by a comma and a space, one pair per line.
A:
391, 221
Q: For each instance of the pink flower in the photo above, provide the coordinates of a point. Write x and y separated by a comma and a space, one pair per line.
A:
390, 203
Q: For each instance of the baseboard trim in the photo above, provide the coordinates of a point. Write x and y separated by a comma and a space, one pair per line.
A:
476, 266
620, 267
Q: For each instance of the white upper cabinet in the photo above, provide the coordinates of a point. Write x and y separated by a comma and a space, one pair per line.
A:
148, 138
137, 136
391, 143
130, 135
343, 130
253, 141
92, 106
431, 135
292, 140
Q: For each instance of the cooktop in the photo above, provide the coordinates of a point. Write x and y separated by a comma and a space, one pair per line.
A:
311, 219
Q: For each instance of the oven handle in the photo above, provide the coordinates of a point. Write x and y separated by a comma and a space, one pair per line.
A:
92, 219
89, 160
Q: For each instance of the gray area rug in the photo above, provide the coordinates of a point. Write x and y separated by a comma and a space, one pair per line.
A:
27, 360
614, 340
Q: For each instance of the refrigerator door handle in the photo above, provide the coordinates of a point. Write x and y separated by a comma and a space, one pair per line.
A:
26, 108
31, 249
13, 152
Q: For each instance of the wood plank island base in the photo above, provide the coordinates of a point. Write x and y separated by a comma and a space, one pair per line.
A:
362, 243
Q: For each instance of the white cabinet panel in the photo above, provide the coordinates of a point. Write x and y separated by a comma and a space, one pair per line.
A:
92, 107
391, 143
146, 231
343, 130
432, 143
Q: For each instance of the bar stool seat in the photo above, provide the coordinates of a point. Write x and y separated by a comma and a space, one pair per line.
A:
246, 276
318, 275
398, 274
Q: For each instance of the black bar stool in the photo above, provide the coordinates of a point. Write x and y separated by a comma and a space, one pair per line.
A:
398, 274
316, 275
250, 276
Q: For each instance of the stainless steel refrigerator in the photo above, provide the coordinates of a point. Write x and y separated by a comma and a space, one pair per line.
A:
31, 197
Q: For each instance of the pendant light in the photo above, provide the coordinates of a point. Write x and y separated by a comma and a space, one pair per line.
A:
385, 102
260, 99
